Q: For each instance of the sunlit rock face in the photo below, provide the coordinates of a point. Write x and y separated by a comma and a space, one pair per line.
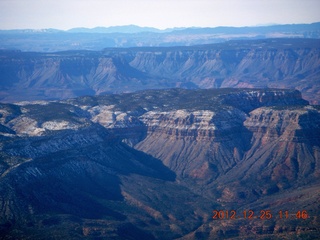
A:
154, 164
200, 144
202, 136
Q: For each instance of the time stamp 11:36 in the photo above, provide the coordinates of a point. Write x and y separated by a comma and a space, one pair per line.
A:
262, 214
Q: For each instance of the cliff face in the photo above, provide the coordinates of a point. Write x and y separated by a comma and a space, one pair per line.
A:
284, 149
206, 133
213, 142
272, 63
59, 76
154, 164
261, 64
199, 144
291, 137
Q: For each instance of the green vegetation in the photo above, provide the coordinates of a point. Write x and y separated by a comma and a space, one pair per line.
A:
164, 100
53, 111
176, 98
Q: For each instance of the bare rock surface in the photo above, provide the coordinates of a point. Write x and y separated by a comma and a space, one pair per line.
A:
155, 165
269, 63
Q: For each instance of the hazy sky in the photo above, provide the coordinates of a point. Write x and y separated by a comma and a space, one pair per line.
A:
66, 14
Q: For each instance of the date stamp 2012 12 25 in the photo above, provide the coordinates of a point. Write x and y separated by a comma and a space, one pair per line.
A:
262, 214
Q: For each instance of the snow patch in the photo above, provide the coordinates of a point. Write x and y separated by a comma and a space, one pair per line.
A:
24, 103
59, 125
26, 126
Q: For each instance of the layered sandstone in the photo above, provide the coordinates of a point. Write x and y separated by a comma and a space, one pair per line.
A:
270, 63
160, 161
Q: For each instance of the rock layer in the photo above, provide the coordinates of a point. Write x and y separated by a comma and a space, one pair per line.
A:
270, 63
155, 164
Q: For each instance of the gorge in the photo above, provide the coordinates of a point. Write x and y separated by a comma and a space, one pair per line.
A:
155, 164
264, 63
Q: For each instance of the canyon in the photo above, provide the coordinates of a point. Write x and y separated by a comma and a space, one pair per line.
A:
263, 63
155, 164
139, 133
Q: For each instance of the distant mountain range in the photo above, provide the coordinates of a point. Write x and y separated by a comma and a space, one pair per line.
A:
138, 29
112, 29
122, 29
51, 40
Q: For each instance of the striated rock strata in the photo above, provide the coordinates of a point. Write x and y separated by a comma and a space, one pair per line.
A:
155, 164
271, 63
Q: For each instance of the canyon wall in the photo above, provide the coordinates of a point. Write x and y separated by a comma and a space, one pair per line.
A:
270, 63
154, 164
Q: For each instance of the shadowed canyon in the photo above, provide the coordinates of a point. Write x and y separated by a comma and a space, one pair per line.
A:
147, 134
155, 164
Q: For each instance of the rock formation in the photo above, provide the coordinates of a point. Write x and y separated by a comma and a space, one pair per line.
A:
270, 63
155, 164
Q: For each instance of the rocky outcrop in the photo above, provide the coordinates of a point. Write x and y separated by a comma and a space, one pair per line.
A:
284, 149
185, 141
291, 137
214, 142
201, 142
250, 100
156, 164
272, 63
198, 144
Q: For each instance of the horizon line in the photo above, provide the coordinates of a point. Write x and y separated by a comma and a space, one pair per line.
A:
158, 29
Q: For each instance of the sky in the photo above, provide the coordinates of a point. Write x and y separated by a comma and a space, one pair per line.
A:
162, 14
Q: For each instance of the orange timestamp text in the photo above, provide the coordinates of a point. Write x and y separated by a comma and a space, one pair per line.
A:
262, 214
